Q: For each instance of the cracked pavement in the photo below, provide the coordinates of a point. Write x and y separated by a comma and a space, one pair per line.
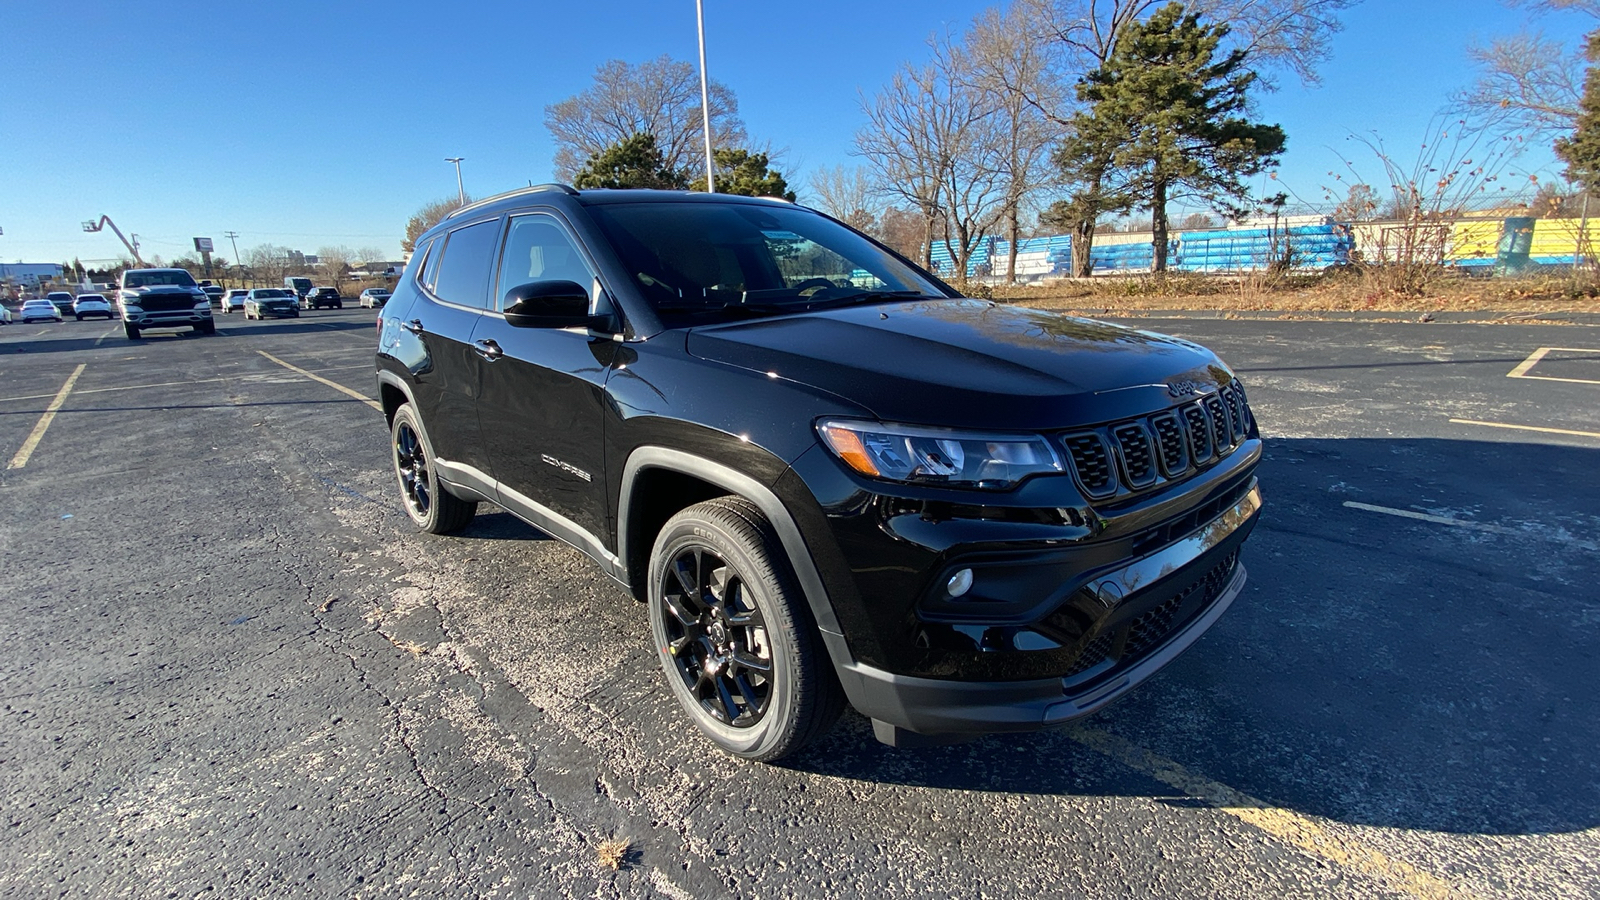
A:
235, 669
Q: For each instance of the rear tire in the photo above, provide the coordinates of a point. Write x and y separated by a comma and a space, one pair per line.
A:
734, 634
431, 507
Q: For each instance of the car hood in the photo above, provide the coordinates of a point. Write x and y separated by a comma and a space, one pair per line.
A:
163, 289
968, 363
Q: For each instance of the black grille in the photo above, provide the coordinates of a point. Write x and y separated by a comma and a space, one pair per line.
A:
1092, 462
1199, 432
1152, 628
1169, 444
167, 302
1139, 453
1137, 460
1239, 411
1218, 414
1092, 655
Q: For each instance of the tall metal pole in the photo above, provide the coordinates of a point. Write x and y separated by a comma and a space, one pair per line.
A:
238, 267
705, 95
461, 192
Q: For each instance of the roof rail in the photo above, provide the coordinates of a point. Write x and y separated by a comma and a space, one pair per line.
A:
531, 189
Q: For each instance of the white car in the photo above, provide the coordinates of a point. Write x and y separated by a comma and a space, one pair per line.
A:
5, 314
234, 299
39, 310
92, 305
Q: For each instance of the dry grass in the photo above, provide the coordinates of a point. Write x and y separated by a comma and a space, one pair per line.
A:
1344, 292
613, 853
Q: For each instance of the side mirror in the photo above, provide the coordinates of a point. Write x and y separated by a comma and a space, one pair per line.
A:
551, 304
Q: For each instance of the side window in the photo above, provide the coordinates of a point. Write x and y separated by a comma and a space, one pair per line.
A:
463, 270
428, 264
537, 249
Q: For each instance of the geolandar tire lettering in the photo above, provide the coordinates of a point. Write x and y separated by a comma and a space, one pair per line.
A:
736, 641
431, 507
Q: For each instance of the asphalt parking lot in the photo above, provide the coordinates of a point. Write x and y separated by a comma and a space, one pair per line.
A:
234, 668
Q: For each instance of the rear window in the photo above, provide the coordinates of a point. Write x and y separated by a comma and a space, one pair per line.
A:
463, 275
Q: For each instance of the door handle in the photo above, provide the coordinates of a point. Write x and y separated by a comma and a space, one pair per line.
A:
414, 326
488, 350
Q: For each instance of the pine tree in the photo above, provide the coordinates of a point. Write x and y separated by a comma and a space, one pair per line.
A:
748, 174
1581, 151
634, 163
1170, 116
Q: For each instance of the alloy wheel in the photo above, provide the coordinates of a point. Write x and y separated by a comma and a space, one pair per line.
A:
717, 638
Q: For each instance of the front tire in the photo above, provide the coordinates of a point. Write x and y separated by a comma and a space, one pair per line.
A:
130, 331
734, 635
431, 508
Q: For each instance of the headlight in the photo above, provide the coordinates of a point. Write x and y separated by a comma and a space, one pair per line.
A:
912, 453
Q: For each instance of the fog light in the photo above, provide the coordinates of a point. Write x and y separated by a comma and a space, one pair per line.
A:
959, 583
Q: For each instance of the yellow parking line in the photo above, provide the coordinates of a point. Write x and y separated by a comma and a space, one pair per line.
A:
37, 435
333, 384
1526, 366
1293, 828
1591, 434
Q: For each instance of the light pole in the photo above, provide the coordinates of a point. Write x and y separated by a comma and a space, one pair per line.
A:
705, 95
461, 192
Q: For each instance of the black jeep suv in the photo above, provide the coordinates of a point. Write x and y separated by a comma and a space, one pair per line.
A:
829, 476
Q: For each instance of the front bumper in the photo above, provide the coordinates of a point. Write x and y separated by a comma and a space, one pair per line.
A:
175, 318
1134, 618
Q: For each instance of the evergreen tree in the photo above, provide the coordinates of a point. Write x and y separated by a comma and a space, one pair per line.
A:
746, 173
1581, 151
633, 163
1169, 114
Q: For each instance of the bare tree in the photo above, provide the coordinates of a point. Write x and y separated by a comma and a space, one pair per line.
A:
845, 192
932, 140
369, 255
660, 97
1010, 64
268, 263
428, 216
1527, 81
335, 261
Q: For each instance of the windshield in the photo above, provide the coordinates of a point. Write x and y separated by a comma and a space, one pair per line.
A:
270, 294
708, 262
158, 277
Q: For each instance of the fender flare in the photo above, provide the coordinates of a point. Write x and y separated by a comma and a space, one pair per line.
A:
390, 379
783, 524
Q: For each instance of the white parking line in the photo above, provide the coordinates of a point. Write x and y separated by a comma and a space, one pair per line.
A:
1470, 526
1539, 428
102, 337
37, 435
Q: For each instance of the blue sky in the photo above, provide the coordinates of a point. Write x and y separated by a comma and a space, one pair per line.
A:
314, 123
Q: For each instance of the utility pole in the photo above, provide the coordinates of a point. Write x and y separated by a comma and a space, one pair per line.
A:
705, 96
238, 267
461, 192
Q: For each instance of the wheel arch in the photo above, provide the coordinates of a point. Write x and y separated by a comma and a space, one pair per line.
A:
392, 394
656, 478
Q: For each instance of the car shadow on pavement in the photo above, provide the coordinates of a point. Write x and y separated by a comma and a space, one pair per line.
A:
251, 328
1377, 670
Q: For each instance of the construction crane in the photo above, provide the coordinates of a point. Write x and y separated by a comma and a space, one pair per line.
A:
133, 247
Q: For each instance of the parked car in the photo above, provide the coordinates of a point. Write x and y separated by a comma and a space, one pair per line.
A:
318, 297
374, 298
263, 302
829, 476
92, 305
5, 314
234, 299
214, 293
163, 298
39, 311
62, 301
297, 285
